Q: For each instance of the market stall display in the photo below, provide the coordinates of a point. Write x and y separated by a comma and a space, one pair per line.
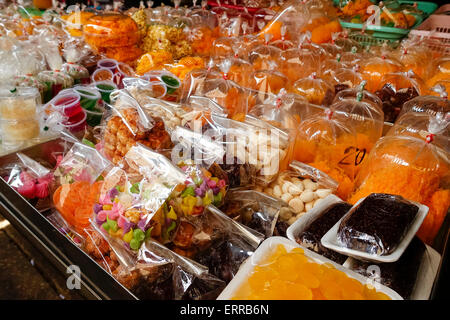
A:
178, 139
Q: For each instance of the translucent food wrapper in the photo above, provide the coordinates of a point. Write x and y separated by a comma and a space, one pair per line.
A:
265, 155
293, 16
427, 104
298, 64
81, 163
328, 143
155, 272
377, 224
284, 111
216, 241
129, 124
253, 209
31, 180
130, 205
317, 91
414, 166
301, 187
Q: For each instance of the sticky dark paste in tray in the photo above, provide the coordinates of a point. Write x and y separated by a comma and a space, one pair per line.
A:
310, 237
378, 224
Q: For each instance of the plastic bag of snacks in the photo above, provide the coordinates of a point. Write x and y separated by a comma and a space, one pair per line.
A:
155, 272
199, 111
254, 144
373, 70
255, 210
365, 117
72, 67
301, 187
323, 22
31, 180
317, 91
216, 241
78, 176
327, 142
130, 124
197, 148
224, 92
427, 104
269, 81
265, 56
297, 64
163, 193
285, 111
54, 82
293, 16
129, 205
411, 161
19, 110
396, 89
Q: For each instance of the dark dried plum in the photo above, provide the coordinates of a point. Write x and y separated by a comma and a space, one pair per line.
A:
224, 257
378, 224
393, 100
339, 87
310, 237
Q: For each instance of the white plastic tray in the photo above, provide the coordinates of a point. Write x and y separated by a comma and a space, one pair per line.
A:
269, 245
305, 220
425, 274
330, 239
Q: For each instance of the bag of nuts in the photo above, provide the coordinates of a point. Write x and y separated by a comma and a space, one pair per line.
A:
302, 188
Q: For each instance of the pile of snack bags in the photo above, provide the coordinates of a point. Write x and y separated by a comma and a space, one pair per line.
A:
193, 134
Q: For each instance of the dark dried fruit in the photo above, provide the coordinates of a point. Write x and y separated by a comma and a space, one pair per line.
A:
393, 100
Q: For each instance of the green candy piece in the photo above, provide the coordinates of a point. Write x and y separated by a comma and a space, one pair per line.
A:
139, 235
135, 188
189, 191
218, 198
106, 226
170, 81
134, 244
100, 178
88, 143
148, 233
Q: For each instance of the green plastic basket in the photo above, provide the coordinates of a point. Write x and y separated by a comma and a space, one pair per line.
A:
390, 33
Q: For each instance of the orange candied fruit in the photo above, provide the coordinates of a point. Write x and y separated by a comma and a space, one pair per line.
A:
293, 276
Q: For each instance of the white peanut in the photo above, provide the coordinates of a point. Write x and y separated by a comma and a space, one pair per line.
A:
294, 190
307, 196
286, 197
292, 220
323, 193
297, 205
277, 191
285, 214
285, 187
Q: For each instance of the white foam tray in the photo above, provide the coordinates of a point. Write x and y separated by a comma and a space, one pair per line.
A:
330, 239
269, 245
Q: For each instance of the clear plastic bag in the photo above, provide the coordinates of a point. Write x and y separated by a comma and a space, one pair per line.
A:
130, 124
377, 224
31, 180
317, 91
427, 104
293, 16
365, 117
327, 142
253, 209
216, 241
269, 81
412, 165
301, 187
285, 111
81, 163
373, 70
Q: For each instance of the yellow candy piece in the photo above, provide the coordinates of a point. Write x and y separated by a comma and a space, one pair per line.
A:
172, 215
107, 206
